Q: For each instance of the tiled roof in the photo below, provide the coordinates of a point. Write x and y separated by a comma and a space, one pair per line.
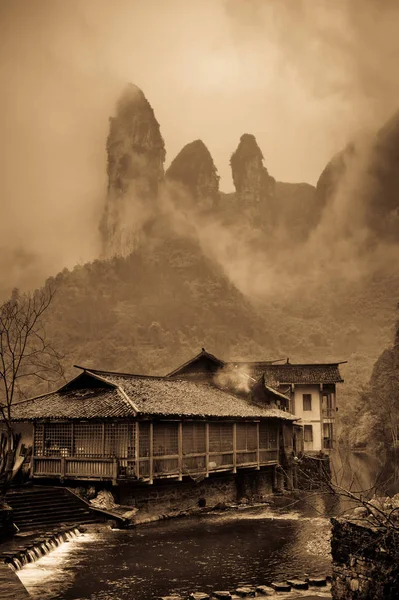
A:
141, 395
163, 396
105, 402
296, 373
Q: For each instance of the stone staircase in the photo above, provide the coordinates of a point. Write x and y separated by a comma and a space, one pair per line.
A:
41, 507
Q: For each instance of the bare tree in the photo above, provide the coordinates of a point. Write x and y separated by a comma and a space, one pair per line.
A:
25, 357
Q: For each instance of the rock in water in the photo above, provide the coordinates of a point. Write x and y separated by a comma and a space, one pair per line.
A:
136, 153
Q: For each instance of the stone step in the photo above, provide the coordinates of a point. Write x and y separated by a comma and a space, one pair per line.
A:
281, 586
298, 584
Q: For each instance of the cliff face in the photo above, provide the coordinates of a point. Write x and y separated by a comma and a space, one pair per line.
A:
194, 170
254, 186
136, 153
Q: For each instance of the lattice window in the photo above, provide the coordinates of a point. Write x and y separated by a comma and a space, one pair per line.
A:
88, 440
39, 440
165, 439
119, 440
144, 439
246, 436
57, 439
193, 438
220, 437
267, 436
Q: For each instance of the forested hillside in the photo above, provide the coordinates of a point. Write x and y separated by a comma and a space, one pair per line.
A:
270, 271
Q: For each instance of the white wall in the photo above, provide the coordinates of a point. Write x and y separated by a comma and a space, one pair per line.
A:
309, 417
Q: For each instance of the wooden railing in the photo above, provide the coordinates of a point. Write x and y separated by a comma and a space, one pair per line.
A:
147, 469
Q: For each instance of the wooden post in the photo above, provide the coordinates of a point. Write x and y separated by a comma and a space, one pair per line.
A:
103, 439
234, 447
62, 467
257, 447
72, 440
207, 449
151, 452
180, 450
114, 471
137, 449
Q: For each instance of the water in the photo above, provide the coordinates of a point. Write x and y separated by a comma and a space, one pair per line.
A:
212, 551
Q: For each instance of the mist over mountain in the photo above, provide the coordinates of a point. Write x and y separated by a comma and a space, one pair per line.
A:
272, 270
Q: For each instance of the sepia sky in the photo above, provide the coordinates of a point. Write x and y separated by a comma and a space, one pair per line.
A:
304, 76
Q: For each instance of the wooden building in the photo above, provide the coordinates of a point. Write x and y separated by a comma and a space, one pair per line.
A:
106, 426
307, 390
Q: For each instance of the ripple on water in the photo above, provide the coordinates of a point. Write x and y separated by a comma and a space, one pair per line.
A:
206, 552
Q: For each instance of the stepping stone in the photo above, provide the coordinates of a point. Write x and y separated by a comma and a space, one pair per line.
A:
221, 595
170, 598
298, 584
245, 592
265, 590
281, 586
317, 581
199, 596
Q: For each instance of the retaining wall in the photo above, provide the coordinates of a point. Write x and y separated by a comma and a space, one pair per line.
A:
165, 497
365, 562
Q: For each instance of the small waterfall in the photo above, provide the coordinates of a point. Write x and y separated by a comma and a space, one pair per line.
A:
43, 547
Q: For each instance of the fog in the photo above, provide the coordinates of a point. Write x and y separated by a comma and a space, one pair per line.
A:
304, 77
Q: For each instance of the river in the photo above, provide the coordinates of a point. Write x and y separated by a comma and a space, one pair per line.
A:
211, 551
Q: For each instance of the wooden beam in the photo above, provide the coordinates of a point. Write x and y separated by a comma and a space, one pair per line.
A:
151, 472
257, 446
180, 450
234, 447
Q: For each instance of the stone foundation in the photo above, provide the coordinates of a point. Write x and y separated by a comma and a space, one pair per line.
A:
365, 562
7, 528
166, 497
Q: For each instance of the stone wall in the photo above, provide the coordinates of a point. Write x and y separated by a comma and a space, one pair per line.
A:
365, 562
7, 529
166, 497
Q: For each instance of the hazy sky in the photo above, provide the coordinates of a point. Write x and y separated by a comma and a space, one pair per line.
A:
302, 75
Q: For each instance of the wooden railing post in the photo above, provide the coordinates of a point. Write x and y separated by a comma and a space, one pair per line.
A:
114, 471
137, 449
62, 467
234, 447
151, 452
207, 449
180, 450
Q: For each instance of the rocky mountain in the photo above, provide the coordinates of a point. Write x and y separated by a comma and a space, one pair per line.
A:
194, 170
136, 154
263, 273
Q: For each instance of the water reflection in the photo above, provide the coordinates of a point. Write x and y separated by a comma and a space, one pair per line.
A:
202, 553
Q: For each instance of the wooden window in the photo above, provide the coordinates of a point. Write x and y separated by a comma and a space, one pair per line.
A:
88, 438
307, 401
267, 436
246, 436
38, 444
220, 437
144, 439
57, 439
193, 438
308, 433
165, 439
119, 440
